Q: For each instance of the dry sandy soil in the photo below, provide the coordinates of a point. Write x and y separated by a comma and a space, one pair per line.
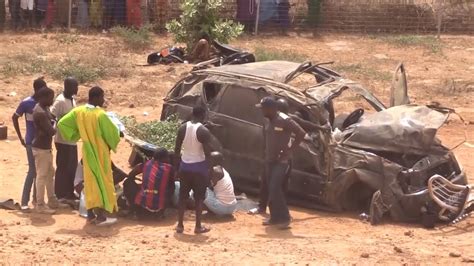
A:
315, 237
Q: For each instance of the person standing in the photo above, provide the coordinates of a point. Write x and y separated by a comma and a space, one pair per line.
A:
62, 12
99, 135
191, 143
42, 151
41, 9
14, 8
95, 12
284, 15
277, 131
108, 7
66, 156
134, 13
83, 14
26, 108
120, 12
27, 7
2, 15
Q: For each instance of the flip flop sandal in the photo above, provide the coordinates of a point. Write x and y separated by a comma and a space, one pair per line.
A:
107, 222
202, 230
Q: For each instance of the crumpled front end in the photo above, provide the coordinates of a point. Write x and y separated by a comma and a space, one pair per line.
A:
385, 161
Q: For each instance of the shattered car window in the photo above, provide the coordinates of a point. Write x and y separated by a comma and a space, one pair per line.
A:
239, 102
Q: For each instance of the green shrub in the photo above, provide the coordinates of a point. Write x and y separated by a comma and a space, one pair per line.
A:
83, 72
135, 39
159, 133
202, 17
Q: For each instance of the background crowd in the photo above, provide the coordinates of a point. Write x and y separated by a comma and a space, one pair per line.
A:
102, 14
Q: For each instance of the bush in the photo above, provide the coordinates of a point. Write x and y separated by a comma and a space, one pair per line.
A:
84, 69
265, 54
160, 133
202, 18
83, 72
135, 39
430, 43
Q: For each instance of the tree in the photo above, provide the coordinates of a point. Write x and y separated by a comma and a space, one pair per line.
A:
202, 18
443, 9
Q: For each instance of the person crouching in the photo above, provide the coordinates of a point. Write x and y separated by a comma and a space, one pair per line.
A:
221, 199
156, 190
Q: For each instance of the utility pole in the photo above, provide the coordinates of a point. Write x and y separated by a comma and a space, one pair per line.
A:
69, 17
257, 17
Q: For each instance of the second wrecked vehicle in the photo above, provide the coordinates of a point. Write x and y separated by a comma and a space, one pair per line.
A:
372, 157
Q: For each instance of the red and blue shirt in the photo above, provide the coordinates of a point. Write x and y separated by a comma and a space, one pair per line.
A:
153, 192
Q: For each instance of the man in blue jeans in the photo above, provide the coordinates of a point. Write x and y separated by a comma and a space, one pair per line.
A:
26, 108
278, 130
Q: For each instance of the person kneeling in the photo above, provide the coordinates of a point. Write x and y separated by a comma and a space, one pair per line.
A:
156, 190
221, 199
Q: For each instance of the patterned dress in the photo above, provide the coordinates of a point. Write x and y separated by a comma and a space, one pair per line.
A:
99, 135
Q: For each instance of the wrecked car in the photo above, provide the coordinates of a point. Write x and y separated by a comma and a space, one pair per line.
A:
364, 157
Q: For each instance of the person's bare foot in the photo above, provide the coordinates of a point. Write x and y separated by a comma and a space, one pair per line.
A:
179, 229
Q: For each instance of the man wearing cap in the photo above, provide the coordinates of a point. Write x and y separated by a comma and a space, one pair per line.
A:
277, 132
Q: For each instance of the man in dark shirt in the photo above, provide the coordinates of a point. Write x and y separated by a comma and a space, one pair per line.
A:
44, 131
277, 130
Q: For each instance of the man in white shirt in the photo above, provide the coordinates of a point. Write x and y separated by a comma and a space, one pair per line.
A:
221, 199
66, 156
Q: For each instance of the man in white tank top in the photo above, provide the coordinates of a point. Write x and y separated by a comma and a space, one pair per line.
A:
192, 146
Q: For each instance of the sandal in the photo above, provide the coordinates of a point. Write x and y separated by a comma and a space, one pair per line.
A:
201, 230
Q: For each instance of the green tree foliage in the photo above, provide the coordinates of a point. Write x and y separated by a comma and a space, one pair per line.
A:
203, 18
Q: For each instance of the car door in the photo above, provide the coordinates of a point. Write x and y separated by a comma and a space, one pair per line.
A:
399, 87
240, 132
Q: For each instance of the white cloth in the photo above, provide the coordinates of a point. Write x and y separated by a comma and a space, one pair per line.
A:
224, 190
27, 4
60, 108
193, 151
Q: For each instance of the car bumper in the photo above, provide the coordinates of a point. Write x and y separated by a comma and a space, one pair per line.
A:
412, 204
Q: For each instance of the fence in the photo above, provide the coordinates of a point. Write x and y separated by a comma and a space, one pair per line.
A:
420, 16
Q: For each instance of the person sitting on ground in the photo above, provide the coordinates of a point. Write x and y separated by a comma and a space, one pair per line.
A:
221, 199
151, 198
202, 50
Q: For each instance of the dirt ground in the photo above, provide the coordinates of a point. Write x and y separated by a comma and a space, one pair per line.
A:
445, 76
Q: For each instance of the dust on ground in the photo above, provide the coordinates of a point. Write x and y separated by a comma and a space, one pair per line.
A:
443, 76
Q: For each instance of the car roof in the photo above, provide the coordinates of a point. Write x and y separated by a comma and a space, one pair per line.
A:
271, 70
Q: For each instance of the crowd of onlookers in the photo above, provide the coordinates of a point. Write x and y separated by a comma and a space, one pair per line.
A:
104, 14
101, 14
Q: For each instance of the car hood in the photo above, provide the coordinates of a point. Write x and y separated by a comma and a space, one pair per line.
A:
407, 129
